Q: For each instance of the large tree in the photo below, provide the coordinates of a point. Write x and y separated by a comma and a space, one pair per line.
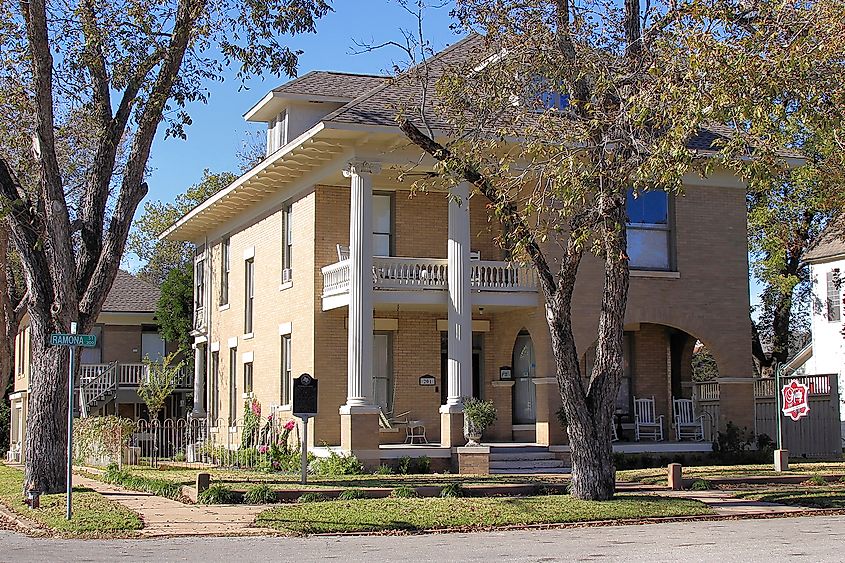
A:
129, 66
564, 108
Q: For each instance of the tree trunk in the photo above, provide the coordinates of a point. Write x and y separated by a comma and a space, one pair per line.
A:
46, 434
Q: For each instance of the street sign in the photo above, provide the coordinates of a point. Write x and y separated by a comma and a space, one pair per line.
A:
84, 340
304, 396
795, 403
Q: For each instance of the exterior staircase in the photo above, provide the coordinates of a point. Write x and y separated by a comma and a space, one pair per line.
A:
513, 459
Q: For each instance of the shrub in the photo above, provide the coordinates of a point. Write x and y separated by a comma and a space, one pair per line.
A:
180, 457
404, 466
817, 480
312, 497
101, 438
383, 470
479, 413
351, 494
700, 485
337, 464
453, 490
404, 492
423, 464
260, 494
216, 494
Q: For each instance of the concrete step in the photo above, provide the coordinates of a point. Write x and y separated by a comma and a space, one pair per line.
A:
526, 464
531, 471
495, 449
496, 456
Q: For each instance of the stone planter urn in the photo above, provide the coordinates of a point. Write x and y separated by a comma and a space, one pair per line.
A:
472, 432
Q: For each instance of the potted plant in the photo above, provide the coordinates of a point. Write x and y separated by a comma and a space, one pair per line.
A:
478, 416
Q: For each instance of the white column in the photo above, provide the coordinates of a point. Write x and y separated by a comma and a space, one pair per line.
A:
460, 308
359, 392
199, 381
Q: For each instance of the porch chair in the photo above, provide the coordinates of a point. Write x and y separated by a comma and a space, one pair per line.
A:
687, 425
614, 437
342, 253
390, 421
646, 423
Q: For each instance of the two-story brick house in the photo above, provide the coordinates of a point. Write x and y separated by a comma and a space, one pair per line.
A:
320, 260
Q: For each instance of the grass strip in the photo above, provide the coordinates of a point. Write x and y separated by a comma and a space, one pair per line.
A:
409, 514
93, 514
657, 476
810, 497
128, 480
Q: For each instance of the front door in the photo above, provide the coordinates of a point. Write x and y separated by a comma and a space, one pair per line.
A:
523, 372
382, 372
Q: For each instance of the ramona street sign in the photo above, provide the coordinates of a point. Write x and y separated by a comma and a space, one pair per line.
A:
84, 340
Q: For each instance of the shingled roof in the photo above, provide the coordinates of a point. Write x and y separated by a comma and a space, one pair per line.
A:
129, 294
332, 84
831, 244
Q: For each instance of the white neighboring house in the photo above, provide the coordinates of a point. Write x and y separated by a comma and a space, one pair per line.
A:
827, 272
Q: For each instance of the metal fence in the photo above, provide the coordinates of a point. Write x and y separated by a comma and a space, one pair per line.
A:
266, 443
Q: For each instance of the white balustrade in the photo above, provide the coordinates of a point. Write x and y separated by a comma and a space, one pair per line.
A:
390, 273
707, 391
132, 374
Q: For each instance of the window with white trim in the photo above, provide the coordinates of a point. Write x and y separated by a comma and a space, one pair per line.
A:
649, 230
233, 386
382, 225
214, 388
248, 377
834, 297
225, 268
287, 243
286, 372
199, 284
249, 294
277, 132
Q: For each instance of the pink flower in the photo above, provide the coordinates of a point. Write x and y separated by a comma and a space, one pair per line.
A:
269, 418
289, 425
256, 408
263, 449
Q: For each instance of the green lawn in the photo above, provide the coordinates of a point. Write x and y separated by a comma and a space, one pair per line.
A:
831, 496
657, 476
93, 514
433, 513
241, 479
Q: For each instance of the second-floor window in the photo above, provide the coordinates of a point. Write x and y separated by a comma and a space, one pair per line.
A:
277, 132
214, 389
225, 268
249, 294
287, 243
382, 225
248, 377
233, 386
834, 297
199, 283
649, 229
285, 397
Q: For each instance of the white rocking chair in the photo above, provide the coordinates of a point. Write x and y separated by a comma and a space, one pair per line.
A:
687, 425
646, 423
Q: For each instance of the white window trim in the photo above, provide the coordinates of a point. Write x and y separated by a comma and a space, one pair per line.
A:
285, 329
215, 346
249, 253
247, 357
233, 342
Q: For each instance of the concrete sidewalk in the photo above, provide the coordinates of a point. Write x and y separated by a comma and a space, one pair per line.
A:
165, 517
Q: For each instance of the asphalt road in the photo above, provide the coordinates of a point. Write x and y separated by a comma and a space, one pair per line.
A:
781, 539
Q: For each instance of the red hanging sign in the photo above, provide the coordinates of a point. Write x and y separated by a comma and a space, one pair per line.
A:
795, 403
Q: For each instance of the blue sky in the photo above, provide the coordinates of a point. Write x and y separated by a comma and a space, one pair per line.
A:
218, 127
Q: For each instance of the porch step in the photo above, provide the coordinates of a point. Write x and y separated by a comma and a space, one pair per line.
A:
524, 460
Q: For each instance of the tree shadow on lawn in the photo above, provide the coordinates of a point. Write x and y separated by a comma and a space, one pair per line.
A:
803, 497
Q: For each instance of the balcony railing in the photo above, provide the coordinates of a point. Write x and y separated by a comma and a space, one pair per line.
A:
431, 274
127, 375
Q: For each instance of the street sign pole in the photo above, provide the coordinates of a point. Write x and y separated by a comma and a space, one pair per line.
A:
71, 350
304, 449
779, 406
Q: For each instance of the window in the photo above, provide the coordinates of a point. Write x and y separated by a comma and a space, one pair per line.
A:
249, 278
199, 283
248, 377
554, 100
233, 386
834, 299
382, 225
277, 132
383, 371
648, 230
225, 267
95, 355
214, 389
287, 243
285, 396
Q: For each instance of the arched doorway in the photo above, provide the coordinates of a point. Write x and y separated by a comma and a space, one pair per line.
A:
524, 411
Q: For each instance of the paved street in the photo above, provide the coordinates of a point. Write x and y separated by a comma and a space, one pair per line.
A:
792, 539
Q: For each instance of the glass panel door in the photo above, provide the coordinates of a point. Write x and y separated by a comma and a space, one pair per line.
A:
382, 372
524, 393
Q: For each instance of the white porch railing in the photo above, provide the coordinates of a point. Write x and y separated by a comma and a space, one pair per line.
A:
199, 318
706, 391
391, 273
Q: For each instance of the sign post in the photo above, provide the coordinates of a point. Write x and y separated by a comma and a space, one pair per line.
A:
304, 407
71, 341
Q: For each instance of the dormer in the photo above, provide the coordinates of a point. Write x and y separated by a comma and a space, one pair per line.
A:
295, 107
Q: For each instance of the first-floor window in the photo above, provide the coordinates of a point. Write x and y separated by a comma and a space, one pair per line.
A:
233, 386
214, 389
248, 377
249, 294
285, 397
382, 371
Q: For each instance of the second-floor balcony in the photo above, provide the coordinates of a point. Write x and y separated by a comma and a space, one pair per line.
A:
426, 281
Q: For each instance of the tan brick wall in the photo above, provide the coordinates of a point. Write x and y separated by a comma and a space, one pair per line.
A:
650, 364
